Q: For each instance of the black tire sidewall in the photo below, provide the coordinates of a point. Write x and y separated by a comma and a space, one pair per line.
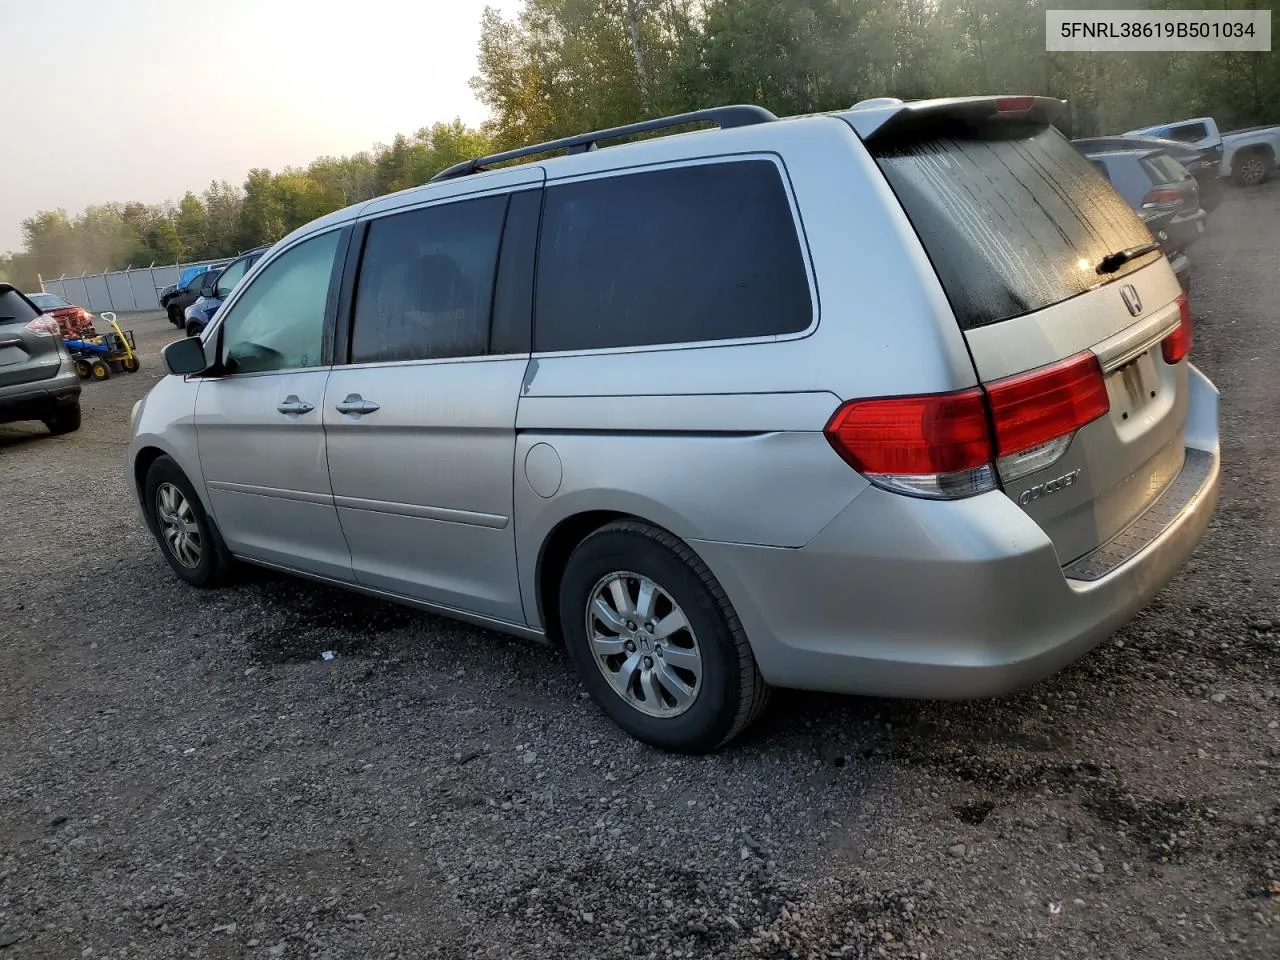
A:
64, 419
710, 720
212, 566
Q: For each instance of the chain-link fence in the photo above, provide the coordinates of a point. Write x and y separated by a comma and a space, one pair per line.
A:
122, 291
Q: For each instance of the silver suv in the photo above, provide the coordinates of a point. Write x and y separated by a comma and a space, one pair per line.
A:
888, 401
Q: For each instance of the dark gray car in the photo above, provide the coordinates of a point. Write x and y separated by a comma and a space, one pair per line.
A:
37, 375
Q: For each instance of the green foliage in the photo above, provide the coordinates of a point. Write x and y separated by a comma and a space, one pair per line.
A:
565, 66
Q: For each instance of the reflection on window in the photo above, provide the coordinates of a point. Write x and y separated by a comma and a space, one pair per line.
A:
278, 323
426, 282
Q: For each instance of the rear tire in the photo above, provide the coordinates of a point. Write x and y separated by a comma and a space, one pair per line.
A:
718, 691
186, 534
175, 316
1252, 169
100, 370
64, 420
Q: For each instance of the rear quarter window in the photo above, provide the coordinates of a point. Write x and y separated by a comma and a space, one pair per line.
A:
1012, 224
1164, 169
683, 255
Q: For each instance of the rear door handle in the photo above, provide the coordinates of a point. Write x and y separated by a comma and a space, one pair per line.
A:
292, 406
357, 405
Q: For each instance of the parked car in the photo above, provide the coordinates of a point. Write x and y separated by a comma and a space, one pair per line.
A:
892, 401
1248, 155
1164, 195
175, 299
1203, 164
215, 287
166, 292
73, 320
37, 375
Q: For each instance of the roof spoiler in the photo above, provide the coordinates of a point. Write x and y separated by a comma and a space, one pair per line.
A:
886, 119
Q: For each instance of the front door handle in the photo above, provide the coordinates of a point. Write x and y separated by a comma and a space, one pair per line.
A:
292, 406
357, 405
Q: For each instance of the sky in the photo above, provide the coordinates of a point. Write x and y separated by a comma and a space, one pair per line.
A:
145, 99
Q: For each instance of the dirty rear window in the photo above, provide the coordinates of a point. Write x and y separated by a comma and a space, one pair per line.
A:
1012, 224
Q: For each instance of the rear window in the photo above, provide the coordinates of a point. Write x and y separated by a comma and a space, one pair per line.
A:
1189, 132
1012, 225
1164, 169
14, 309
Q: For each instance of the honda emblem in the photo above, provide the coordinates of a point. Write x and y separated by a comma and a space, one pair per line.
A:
1131, 299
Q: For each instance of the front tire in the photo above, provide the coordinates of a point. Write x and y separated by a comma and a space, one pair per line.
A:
175, 316
655, 640
187, 537
193, 328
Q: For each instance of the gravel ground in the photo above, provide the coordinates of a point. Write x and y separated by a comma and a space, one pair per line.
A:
183, 775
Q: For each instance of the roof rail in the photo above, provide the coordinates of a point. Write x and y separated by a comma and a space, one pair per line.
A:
740, 115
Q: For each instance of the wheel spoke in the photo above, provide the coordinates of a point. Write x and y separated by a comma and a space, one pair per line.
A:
673, 622
621, 597
621, 678
184, 510
607, 615
683, 659
649, 686
680, 691
608, 646
645, 599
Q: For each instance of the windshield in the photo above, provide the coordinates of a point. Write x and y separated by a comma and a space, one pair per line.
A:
47, 301
1012, 225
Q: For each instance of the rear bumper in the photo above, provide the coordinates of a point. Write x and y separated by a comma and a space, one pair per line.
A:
36, 400
950, 600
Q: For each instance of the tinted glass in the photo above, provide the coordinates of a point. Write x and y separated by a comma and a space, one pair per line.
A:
229, 277
707, 252
425, 289
1189, 132
13, 309
278, 322
1166, 169
195, 281
1013, 224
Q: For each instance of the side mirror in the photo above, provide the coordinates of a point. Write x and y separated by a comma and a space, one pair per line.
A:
184, 357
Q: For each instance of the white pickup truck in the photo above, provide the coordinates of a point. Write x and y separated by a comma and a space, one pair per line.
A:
1250, 156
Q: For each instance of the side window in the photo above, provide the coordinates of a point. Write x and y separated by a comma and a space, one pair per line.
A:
426, 282
230, 277
278, 322
706, 252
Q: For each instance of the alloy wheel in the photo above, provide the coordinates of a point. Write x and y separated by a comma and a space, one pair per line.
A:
643, 644
178, 526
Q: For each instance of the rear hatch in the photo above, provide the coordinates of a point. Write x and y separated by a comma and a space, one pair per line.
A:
1017, 225
30, 344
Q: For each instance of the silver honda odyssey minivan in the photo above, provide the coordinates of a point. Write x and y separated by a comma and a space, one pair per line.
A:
891, 401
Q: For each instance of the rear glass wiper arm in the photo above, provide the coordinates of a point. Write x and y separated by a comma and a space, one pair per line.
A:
1114, 261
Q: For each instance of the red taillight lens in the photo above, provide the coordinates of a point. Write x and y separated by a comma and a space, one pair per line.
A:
955, 437
1014, 104
1162, 198
1042, 405
44, 326
941, 433
1178, 344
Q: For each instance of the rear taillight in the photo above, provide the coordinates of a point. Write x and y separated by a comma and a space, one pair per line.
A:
1164, 197
1178, 344
1014, 104
44, 326
947, 446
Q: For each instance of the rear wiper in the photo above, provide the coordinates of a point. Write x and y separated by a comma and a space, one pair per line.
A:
1114, 261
